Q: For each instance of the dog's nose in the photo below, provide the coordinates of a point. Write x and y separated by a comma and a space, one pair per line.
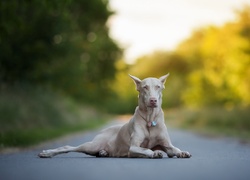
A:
153, 100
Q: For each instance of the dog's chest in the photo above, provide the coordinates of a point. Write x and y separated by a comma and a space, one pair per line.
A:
150, 139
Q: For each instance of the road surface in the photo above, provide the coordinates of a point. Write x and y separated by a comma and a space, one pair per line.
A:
212, 159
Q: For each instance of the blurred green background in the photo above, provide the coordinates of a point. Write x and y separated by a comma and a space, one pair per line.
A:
61, 72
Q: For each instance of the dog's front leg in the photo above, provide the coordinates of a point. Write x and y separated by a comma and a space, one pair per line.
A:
174, 151
136, 151
139, 152
171, 150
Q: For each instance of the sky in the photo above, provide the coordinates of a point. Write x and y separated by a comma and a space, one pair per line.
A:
144, 26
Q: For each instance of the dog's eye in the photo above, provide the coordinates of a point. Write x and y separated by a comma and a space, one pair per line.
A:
158, 87
145, 87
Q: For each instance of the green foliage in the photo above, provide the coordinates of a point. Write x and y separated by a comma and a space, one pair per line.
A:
210, 68
221, 75
53, 53
208, 87
124, 94
62, 44
30, 115
212, 120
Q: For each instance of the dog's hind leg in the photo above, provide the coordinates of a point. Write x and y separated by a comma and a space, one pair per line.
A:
53, 152
97, 147
90, 148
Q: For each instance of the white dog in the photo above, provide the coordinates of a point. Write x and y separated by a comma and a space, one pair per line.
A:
144, 136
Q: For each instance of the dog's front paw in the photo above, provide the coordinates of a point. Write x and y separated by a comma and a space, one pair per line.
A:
157, 154
184, 154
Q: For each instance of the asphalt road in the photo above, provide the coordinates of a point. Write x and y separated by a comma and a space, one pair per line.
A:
212, 159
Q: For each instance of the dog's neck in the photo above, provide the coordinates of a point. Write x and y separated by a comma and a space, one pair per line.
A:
149, 114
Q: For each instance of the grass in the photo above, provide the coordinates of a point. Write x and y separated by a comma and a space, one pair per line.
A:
28, 137
218, 121
30, 115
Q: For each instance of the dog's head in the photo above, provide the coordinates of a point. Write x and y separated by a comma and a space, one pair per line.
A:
150, 90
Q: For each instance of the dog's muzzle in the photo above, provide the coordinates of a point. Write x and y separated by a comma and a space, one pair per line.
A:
153, 102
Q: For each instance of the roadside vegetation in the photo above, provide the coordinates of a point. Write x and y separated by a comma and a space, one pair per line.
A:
56, 63
208, 87
212, 121
31, 115
60, 72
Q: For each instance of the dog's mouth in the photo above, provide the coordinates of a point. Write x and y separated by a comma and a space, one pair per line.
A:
152, 105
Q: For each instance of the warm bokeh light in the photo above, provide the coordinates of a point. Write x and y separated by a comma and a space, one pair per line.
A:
143, 26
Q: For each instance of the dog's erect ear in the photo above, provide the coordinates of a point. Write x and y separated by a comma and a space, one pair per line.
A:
164, 78
137, 82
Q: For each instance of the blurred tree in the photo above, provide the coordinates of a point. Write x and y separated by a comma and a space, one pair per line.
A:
220, 61
63, 44
26, 36
211, 67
